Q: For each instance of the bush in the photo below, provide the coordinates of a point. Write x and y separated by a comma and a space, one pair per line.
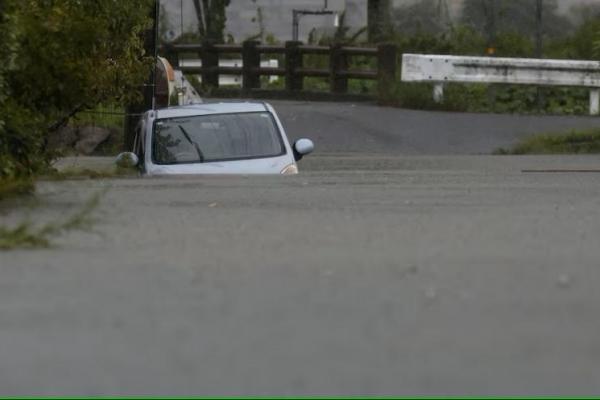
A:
580, 45
59, 58
22, 147
466, 40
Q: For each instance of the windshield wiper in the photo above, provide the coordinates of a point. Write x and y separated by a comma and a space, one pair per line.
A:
189, 139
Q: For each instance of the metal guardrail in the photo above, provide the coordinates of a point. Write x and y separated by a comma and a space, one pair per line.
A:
440, 69
294, 70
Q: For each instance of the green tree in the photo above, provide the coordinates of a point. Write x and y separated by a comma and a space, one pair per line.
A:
514, 16
211, 18
65, 56
429, 16
578, 46
6, 32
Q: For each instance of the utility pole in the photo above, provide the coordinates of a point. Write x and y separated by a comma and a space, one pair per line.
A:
378, 19
539, 28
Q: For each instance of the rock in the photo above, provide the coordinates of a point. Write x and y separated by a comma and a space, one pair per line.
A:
89, 138
63, 138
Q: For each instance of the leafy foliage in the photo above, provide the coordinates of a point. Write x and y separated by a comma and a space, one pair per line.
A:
15, 187
65, 56
580, 45
425, 16
211, 18
513, 39
463, 40
514, 16
25, 235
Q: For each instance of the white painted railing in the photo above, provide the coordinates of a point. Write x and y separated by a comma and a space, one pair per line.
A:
230, 80
440, 69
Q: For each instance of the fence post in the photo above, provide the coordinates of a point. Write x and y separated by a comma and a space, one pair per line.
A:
338, 62
210, 63
386, 67
293, 61
171, 56
250, 64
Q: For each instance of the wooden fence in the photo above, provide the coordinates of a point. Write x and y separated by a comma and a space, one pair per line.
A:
293, 69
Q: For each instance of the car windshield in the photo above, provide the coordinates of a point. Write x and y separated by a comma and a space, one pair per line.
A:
216, 138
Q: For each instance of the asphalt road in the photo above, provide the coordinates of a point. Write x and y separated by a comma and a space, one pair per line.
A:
365, 275
364, 128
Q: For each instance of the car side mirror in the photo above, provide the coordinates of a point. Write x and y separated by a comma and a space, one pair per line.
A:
303, 147
127, 160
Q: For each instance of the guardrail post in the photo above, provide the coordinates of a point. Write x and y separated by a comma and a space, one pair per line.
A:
438, 93
386, 66
293, 61
594, 101
210, 63
338, 62
251, 62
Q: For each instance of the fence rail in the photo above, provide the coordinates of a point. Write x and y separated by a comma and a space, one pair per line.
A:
294, 70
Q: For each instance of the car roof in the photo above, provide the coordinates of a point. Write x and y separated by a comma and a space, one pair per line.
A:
211, 108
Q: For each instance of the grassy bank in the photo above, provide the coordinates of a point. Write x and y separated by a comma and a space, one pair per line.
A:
28, 236
15, 187
574, 142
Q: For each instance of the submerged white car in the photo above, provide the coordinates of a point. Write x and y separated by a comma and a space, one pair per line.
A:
214, 138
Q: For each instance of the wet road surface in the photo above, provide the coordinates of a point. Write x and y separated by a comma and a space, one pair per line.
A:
366, 274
